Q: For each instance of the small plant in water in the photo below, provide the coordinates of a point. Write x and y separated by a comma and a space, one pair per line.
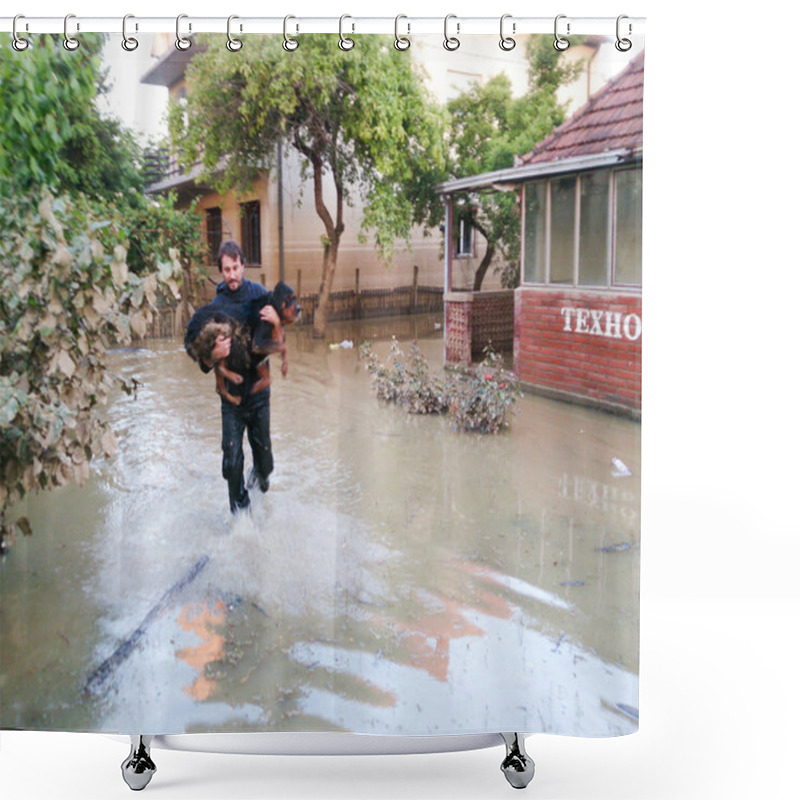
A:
479, 399
386, 380
483, 398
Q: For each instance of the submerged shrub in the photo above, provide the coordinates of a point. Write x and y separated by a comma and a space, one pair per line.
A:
64, 300
483, 398
388, 381
479, 399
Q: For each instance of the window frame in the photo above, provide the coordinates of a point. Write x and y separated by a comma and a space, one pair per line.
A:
213, 236
465, 230
611, 232
250, 235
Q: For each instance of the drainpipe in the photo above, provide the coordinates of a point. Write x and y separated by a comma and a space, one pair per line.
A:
281, 263
448, 242
448, 262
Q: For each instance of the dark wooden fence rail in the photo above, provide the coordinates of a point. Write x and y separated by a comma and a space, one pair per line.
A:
369, 303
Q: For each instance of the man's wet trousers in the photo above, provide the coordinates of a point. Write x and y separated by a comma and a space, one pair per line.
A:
253, 416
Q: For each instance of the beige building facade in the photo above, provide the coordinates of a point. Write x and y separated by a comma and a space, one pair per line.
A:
276, 223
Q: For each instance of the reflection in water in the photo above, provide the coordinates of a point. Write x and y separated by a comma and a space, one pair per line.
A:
205, 622
398, 577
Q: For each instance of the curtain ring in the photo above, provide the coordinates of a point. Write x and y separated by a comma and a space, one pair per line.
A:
506, 42
129, 43
17, 42
401, 42
289, 44
70, 42
345, 42
623, 45
451, 42
234, 45
181, 42
560, 44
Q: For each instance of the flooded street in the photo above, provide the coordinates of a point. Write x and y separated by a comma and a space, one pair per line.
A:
398, 578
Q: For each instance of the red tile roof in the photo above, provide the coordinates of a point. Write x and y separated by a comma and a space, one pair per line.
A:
610, 120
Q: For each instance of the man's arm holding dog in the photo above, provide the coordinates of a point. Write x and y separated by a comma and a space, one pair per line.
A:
269, 314
222, 348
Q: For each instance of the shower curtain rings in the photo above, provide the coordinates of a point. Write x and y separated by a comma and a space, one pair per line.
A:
400, 42
506, 42
17, 42
450, 42
181, 42
345, 42
234, 45
560, 44
289, 44
129, 43
70, 42
623, 45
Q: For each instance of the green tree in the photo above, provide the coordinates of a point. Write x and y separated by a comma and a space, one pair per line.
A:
85, 260
360, 119
53, 134
149, 227
488, 128
55, 138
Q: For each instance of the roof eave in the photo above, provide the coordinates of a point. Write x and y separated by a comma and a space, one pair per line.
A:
169, 69
488, 180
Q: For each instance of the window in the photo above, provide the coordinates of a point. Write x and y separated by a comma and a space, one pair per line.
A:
628, 229
213, 233
562, 226
535, 233
584, 230
466, 239
593, 229
251, 232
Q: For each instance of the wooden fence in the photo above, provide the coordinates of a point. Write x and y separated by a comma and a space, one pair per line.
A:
371, 303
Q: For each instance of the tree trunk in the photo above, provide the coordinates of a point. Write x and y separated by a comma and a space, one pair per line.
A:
328, 271
333, 232
480, 274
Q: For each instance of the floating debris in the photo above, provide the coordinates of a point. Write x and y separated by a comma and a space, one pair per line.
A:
573, 583
344, 345
629, 711
620, 469
615, 548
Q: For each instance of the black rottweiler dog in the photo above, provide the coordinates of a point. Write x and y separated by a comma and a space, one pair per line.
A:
266, 338
251, 343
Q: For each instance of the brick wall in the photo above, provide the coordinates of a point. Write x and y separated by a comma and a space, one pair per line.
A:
475, 319
584, 345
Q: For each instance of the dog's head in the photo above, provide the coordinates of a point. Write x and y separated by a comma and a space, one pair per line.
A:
285, 301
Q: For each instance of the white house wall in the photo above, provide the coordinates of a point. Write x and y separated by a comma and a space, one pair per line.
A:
447, 73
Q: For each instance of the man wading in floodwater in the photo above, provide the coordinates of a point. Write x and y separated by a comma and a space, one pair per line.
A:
233, 298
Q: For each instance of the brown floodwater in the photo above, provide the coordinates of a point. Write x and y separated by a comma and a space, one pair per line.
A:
399, 577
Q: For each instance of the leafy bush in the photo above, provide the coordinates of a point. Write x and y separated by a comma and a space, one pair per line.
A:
481, 399
388, 381
406, 381
65, 298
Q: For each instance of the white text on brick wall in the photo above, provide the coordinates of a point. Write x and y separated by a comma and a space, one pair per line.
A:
599, 322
